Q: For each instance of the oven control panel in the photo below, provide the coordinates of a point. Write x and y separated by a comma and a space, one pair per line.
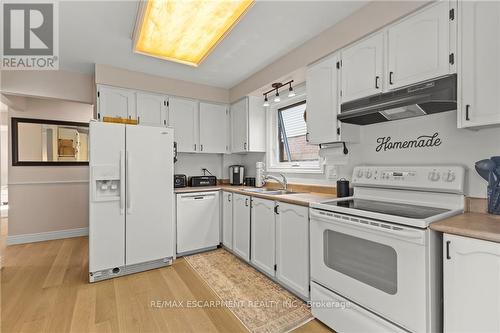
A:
439, 178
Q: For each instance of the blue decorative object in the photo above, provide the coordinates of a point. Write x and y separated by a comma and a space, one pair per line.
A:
489, 169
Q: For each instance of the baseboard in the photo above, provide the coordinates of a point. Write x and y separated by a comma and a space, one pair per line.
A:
45, 236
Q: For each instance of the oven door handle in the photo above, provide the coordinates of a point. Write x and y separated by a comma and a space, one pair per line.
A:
404, 233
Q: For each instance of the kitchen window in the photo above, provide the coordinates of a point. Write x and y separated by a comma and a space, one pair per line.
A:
290, 151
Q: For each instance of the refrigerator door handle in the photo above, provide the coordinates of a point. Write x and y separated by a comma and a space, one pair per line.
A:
122, 182
127, 182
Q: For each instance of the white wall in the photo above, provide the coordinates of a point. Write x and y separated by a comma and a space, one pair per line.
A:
367, 19
120, 77
191, 164
60, 84
459, 146
47, 198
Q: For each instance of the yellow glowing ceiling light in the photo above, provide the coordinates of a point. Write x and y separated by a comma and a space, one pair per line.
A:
185, 31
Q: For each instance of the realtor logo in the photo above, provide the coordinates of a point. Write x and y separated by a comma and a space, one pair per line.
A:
29, 36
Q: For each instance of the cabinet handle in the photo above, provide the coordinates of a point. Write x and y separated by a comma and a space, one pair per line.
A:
448, 250
376, 82
246, 202
245, 146
307, 137
229, 197
390, 77
195, 147
467, 108
201, 147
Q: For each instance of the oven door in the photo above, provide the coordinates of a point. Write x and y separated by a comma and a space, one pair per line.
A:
380, 266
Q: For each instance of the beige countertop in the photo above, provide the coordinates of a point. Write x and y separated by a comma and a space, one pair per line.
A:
475, 225
303, 199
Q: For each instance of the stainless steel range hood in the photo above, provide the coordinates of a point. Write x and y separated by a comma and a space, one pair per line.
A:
421, 99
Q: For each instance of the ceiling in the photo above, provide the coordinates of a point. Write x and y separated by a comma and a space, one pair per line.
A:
100, 32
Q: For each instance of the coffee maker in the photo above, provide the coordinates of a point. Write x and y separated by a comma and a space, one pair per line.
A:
236, 174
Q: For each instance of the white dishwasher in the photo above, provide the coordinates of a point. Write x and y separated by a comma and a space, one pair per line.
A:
198, 221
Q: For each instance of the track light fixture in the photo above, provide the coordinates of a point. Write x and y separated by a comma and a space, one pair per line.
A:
291, 92
276, 88
266, 102
277, 97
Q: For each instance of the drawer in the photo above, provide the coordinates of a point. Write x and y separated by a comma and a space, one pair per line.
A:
345, 316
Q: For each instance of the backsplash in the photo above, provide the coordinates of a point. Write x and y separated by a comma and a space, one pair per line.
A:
432, 139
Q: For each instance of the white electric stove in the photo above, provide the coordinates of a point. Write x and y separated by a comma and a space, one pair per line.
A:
374, 250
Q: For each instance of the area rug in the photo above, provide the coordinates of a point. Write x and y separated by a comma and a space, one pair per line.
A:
260, 304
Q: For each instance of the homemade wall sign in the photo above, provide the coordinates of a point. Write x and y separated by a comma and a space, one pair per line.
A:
423, 141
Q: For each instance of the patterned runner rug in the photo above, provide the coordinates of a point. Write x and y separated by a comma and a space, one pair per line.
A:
260, 304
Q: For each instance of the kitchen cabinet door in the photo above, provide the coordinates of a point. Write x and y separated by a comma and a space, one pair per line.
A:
479, 64
419, 46
322, 101
241, 225
471, 279
227, 219
263, 235
183, 116
292, 248
239, 126
256, 125
362, 68
213, 128
115, 102
151, 109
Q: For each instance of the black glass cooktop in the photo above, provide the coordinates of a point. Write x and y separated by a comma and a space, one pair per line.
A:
396, 209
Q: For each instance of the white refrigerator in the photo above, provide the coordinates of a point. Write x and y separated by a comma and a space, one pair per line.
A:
131, 209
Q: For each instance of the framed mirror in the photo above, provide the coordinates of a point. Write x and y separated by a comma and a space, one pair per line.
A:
49, 142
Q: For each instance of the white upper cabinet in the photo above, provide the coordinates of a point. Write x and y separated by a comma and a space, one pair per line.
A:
479, 63
239, 129
419, 46
213, 128
471, 279
151, 109
115, 102
362, 68
183, 116
322, 100
248, 125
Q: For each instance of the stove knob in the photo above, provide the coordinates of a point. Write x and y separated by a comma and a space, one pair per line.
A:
434, 176
368, 174
360, 173
449, 176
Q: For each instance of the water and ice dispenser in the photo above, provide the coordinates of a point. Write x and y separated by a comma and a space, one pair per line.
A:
107, 183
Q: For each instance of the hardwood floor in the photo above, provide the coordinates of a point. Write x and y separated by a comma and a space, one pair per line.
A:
44, 288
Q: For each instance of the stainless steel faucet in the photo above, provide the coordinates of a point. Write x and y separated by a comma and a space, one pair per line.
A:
283, 182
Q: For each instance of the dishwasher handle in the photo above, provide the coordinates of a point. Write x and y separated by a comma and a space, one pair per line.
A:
207, 196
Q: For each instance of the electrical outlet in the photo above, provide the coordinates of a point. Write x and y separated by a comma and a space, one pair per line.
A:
331, 172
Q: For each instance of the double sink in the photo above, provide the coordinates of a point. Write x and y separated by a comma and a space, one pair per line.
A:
268, 191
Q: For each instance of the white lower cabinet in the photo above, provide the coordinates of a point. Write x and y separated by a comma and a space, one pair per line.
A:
241, 225
227, 219
471, 278
263, 234
273, 236
292, 247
